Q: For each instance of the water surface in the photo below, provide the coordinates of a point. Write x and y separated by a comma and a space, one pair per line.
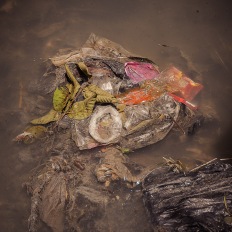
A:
198, 38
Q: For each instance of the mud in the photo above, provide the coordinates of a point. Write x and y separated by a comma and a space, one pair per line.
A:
66, 195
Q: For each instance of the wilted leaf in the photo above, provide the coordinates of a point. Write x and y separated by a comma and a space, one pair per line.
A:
84, 69
35, 132
60, 98
30, 134
99, 91
23, 136
51, 116
69, 87
120, 107
79, 111
228, 220
72, 79
83, 109
75, 89
124, 149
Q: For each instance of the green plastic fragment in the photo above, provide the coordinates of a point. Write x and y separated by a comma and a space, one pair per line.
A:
82, 109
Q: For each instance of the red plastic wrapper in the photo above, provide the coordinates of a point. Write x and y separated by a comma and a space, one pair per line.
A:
138, 71
171, 80
182, 100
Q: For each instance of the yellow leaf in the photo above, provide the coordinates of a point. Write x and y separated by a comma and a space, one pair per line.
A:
84, 69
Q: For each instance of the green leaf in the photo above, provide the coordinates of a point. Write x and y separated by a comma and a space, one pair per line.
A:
69, 87
75, 89
79, 111
37, 131
99, 91
60, 98
72, 79
125, 150
51, 116
82, 109
84, 69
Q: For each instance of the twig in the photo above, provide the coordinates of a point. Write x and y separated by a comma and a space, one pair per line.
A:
177, 124
226, 206
198, 167
226, 159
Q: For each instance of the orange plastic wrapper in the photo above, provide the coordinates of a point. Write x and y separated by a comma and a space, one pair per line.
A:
147, 92
178, 83
171, 80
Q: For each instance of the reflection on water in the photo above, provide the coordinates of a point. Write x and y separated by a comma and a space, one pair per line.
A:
198, 35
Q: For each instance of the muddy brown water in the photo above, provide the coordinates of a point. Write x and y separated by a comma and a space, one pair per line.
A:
197, 37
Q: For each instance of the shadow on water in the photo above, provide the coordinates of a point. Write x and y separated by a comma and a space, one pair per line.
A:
198, 37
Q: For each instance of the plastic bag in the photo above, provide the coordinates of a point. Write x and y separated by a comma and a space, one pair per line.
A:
171, 80
95, 46
150, 112
196, 201
142, 125
109, 75
138, 71
177, 82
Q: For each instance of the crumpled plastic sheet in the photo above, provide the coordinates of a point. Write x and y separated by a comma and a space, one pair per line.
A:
138, 71
95, 46
191, 202
142, 125
105, 60
109, 75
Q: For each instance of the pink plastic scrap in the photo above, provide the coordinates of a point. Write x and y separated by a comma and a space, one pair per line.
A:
138, 71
